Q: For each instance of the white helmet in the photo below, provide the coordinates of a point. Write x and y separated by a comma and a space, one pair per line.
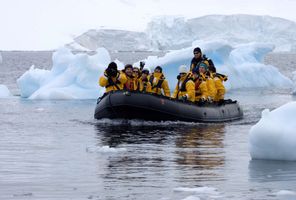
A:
182, 69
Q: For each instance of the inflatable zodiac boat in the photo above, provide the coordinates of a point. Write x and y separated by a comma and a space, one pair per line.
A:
137, 105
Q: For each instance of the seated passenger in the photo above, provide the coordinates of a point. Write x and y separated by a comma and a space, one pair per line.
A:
144, 84
112, 78
201, 90
203, 71
130, 84
137, 76
218, 79
185, 87
159, 85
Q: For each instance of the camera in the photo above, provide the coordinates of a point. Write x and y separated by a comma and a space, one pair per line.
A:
111, 72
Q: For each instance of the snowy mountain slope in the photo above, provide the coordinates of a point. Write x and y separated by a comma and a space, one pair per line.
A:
172, 33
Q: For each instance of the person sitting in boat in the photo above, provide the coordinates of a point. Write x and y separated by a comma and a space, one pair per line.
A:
201, 89
159, 85
112, 78
218, 79
199, 58
185, 89
137, 76
130, 84
144, 84
204, 72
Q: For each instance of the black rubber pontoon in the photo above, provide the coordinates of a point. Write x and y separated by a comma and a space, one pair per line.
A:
137, 105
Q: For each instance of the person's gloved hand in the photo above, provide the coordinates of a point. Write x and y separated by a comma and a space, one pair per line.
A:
202, 100
183, 98
142, 64
210, 100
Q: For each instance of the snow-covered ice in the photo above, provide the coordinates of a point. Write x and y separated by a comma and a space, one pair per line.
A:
176, 32
71, 77
76, 76
199, 193
4, 91
105, 150
286, 195
274, 136
243, 64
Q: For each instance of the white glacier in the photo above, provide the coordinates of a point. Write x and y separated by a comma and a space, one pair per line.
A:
175, 32
274, 136
4, 91
76, 76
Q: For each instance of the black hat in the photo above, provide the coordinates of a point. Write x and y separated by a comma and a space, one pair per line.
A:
112, 65
145, 71
197, 50
128, 66
159, 68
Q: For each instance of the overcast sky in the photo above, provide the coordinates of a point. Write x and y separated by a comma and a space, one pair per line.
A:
48, 24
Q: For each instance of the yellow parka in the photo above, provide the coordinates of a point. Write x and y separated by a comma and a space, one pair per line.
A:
210, 86
113, 83
144, 85
219, 87
159, 85
131, 83
185, 87
201, 89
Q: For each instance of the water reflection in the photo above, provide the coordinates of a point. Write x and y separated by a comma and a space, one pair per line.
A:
182, 153
201, 146
272, 171
114, 135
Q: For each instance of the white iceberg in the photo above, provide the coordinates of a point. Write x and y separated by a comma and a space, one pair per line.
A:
4, 91
274, 136
71, 77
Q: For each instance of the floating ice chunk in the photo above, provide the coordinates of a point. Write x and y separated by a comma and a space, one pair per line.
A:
274, 136
105, 149
286, 195
207, 190
4, 91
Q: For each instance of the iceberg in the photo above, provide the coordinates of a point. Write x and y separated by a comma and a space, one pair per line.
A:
274, 136
175, 32
242, 64
71, 77
75, 76
4, 91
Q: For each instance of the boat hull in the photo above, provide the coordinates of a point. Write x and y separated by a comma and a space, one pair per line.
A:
136, 105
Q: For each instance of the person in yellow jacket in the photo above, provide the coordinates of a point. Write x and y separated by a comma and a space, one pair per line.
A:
185, 89
137, 76
144, 84
159, 85
201, 89
112, 78
131, 83
212, 91
218, 79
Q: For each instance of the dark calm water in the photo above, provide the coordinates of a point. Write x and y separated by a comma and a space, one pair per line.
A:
56, 150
